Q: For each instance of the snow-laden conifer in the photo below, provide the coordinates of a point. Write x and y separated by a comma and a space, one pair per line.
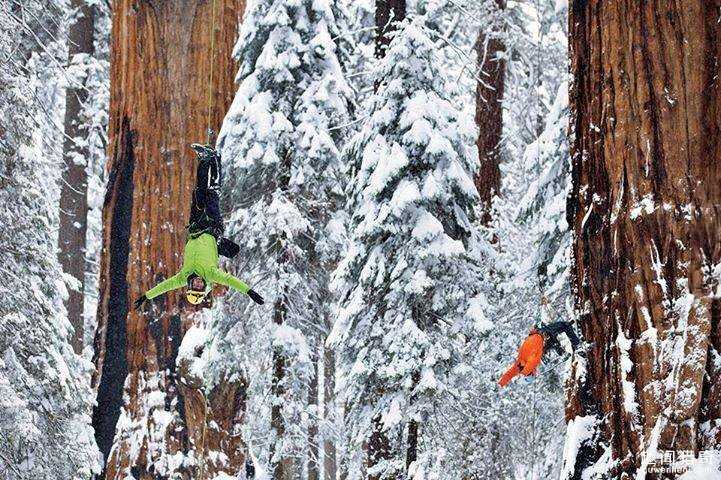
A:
543, 207
409, 284
284, 180
45, 395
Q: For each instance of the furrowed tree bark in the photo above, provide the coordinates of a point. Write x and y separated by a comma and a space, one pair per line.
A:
489, 111
646, 214
74, 183
159, 97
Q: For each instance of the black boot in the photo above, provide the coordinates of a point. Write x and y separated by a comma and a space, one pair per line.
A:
228, 248
204, 152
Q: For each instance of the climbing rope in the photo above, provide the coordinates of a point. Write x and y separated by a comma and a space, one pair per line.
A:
202, 437
210, 75
208, 133
548, 305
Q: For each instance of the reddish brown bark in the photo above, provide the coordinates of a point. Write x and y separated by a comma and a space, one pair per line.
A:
489, 113
74, 183
160, 66
646, 212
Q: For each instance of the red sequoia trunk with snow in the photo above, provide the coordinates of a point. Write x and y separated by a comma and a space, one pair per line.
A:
645, 209
489, 112
152, 413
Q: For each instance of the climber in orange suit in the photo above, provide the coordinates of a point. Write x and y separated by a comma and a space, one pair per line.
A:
538, 341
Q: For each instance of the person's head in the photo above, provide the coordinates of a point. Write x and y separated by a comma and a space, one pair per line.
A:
196, 289
197, 283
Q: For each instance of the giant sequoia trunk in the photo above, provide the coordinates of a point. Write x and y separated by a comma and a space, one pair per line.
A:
74, 184
161, 59
646, 214
489, 111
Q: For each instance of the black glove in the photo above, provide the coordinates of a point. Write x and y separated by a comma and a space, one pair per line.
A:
255, 297
138, 304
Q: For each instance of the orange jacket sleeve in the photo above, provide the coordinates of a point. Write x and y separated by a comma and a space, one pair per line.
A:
530, 353
510, 373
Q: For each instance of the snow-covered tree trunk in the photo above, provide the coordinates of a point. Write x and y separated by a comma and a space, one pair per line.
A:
489, 108
329, 448
282, 463
74, 181
153, 419
645, 208
313, 438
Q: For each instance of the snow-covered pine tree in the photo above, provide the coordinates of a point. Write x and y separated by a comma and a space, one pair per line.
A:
543, 209
279, 144
538, 119
410, 279
95, 114
480, 424
45, 394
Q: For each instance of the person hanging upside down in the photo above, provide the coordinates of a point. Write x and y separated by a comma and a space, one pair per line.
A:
205, 240
539, 341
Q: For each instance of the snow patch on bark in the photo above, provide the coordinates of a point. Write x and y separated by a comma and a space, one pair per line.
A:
629, 389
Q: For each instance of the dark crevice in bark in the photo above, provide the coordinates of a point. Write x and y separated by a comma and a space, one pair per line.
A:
115, 305
653, 110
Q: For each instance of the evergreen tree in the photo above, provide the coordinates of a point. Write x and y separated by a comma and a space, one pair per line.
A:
279, 144
409, 282
543, 207
45, 395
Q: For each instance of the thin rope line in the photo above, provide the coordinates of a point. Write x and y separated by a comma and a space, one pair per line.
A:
212, 65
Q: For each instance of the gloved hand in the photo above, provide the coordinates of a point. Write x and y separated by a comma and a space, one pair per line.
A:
138, 304
255, 297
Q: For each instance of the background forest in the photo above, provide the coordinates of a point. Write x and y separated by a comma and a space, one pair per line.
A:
414, 185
